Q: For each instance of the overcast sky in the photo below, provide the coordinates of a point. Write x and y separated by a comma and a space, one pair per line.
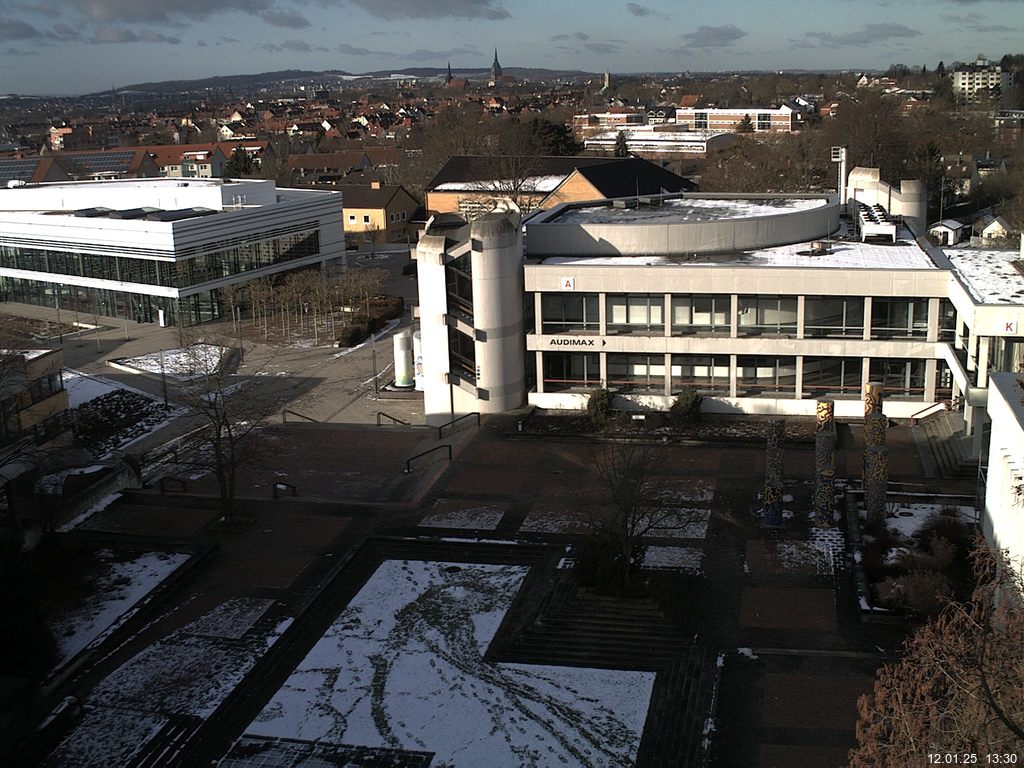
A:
78, 46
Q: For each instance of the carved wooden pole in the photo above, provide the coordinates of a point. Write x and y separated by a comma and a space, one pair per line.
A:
775, 446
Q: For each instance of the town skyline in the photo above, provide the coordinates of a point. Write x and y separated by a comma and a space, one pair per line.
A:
84, 47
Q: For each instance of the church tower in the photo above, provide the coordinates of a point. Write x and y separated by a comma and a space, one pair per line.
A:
448, 79
495, 68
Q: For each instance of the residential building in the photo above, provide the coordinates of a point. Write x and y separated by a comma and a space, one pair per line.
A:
763, 303
126, 163
653, 144
157, 250
980, 79
718, 120
189, 161
377, 213
473, 186
32, 395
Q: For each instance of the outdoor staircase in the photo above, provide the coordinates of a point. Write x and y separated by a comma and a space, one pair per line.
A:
944, 449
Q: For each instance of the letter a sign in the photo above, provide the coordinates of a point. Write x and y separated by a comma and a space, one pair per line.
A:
568, 283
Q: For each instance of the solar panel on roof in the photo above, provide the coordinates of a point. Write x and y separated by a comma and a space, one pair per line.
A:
178, 215
90, 213
133, 213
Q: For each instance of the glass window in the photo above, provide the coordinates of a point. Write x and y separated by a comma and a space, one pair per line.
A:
564, 312
899, 318
462, 354
758, 375
459, 279
767, 316
832, 377
947, 320
636, 313
833, 316
571, 370
700, 314
708, 374
902, 379
637, 373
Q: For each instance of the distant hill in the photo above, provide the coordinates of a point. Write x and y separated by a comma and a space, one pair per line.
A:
221, 82
246, 82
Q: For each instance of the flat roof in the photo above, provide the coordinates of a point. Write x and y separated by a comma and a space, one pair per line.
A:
683, 210
843, 250
989, 274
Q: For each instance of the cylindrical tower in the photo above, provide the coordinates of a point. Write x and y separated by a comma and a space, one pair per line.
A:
403, 358
497, 263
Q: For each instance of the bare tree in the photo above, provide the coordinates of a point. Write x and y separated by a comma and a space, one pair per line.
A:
959, 686
231, 410
624, 502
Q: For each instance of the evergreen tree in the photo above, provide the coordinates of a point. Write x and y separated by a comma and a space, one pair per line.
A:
621, 147
239, 164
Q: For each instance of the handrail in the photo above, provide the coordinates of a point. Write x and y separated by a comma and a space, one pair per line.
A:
408, 462
949, 405
286, 411
457, 420
393, 419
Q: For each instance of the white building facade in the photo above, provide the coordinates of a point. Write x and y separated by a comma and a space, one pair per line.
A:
763, 303
157, 250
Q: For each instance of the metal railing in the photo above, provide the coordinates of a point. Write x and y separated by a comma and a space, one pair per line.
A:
411, 459
284, 416
394, 419
455, 421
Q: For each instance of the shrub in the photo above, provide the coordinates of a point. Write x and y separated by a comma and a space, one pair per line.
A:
920, 592
599, 406
686, 408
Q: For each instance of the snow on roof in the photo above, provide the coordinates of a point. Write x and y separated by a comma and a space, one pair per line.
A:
989, 275
530, 184
689, 209
841, 254
949, 224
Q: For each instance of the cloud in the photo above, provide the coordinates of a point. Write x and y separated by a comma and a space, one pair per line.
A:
425, 54
869, 34
108, 35
201, 44
225, 40
433, 9
290, 19
292, 46
352, 50
16, 29
150, 11
714, 37
640, 10
602, 49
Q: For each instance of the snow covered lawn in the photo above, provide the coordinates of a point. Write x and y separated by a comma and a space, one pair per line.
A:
179, 364
82, 388
685, 559
402, 667
908, 519
448, 514
121, 585
188, 673
107, 737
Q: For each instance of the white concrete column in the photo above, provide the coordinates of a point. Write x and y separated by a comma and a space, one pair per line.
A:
732, 373
734, 317
972, 353
801, 305
602, 314
979, 432
867, 321
667, 314
865, 374
800, 372
983, 343
668, 373
539, 357
604, 368
961, 326
933, 319
538, 327
931, 370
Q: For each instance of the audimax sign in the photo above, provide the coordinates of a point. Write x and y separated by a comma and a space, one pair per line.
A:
575, 342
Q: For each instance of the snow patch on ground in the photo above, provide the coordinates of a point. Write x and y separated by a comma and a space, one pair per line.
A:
909, 519
114, 593
82, 388
685, 559
107, 737
483, 518
402, 667
181, 364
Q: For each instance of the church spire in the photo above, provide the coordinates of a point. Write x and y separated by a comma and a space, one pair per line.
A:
495, 68
449, 78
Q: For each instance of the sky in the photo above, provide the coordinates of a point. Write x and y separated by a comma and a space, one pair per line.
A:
82, 46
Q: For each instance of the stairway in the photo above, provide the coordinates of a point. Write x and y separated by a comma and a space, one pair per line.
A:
945, 450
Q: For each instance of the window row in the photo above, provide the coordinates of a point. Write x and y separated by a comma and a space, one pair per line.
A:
756, 375
181, 273
824, 317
